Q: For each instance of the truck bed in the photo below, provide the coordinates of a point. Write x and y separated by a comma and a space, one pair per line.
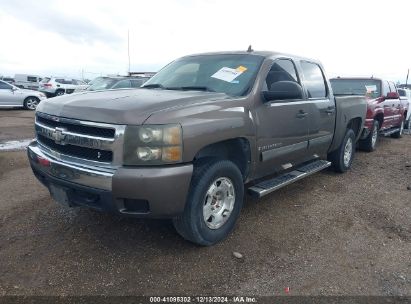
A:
347, 108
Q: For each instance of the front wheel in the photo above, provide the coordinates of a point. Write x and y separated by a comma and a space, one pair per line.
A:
342, 158
31, 103
369, 143
214, 203
59, 92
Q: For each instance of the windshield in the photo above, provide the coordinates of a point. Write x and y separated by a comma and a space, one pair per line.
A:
232, 74
103, 84
364, 87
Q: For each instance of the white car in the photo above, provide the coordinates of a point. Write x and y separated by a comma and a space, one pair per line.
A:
405, 95
25, 81
56, 86
12, 96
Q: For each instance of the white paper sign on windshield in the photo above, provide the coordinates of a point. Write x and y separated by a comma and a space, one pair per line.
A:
371, 88
228, 74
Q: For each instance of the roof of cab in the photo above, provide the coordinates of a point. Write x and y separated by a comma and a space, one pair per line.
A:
357, 78
266, 54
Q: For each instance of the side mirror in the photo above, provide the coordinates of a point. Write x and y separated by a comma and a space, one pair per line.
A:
283, 90
392, 95
14, 89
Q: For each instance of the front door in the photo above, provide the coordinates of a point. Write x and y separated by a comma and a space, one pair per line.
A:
282, 125
8, 97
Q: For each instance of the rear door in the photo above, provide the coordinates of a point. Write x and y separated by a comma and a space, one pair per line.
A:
282, 125
321, 120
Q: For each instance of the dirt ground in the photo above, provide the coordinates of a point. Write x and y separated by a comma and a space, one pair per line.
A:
16, 124
329, 234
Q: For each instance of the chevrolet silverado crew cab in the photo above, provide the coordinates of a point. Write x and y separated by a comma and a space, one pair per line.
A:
203, 131
385, 111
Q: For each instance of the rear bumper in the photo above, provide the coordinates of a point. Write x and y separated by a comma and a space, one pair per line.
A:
141, 192
47, 91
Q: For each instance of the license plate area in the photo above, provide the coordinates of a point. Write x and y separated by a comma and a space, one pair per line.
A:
59, 194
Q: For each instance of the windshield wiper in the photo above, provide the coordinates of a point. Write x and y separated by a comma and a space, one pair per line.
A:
191, 88
153, 86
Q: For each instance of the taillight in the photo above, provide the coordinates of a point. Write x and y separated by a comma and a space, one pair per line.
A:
48, 85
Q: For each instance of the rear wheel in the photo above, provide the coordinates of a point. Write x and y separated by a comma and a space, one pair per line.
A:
59, 92
370, 142
214, 203
398, 134
342, 158
31, 103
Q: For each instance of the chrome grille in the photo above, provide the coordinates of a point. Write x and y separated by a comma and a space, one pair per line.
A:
90, 143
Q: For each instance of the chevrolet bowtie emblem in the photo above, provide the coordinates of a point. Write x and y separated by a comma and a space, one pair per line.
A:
59, 136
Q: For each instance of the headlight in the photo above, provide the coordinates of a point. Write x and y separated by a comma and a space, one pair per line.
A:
153, 145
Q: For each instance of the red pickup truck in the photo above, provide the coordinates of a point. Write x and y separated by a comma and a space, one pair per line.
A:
385, 111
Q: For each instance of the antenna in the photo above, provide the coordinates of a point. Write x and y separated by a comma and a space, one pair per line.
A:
250, 49
128, 50
406, 81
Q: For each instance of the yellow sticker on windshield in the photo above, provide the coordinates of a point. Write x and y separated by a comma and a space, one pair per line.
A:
241, 69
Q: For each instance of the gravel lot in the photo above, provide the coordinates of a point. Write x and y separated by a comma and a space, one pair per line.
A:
329, 234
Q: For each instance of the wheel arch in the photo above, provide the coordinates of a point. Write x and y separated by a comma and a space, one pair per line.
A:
355, 125
380, 118
237, 150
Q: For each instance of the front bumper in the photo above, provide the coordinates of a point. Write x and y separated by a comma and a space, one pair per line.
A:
367, 128
142, 192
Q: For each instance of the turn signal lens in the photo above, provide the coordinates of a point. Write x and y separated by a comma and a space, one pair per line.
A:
172, 135
172, 154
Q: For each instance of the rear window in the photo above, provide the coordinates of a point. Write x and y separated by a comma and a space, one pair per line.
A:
363, 87
45, 80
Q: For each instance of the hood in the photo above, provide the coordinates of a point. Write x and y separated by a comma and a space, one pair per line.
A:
123, 106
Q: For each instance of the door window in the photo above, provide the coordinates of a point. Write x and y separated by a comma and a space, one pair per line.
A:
314, 80
385, 87
31, 79
281, 70
122, 84
392, 87
4, 86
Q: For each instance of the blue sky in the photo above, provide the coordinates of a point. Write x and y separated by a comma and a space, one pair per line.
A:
64, 38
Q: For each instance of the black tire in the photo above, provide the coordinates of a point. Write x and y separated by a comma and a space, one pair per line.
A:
369, 143
399, 133
59, 92
337, 157
31, 103
191, 225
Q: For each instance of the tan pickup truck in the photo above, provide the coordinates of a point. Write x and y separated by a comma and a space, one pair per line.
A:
203, 131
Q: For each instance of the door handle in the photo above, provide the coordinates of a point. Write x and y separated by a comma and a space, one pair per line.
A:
386, 106
301, 114
330, 110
